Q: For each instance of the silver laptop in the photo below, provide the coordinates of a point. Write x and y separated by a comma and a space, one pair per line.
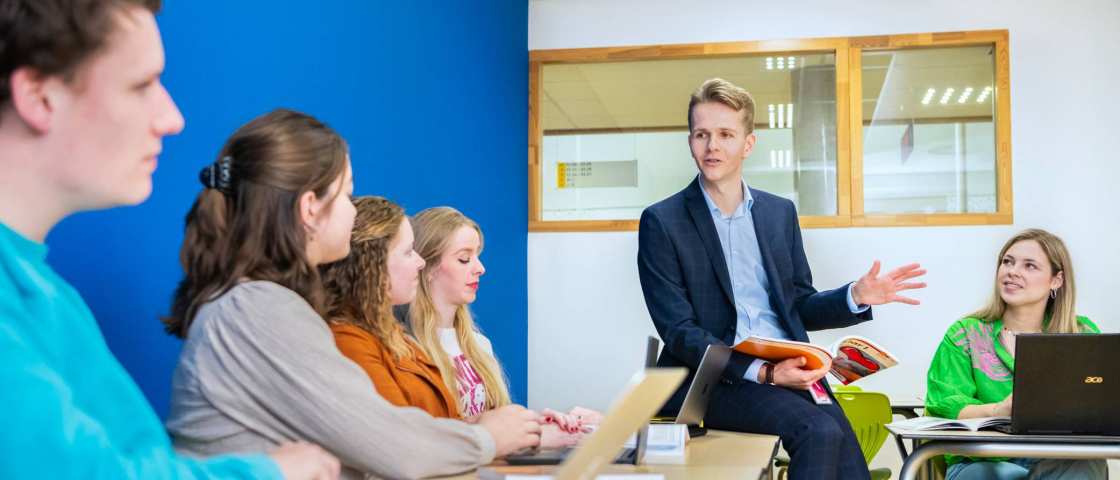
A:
708, 373
711, 367
652, 346
646, 392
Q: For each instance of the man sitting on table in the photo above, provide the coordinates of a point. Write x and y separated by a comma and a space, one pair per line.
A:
719, 262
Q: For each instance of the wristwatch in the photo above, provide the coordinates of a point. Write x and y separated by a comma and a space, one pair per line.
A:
768, 378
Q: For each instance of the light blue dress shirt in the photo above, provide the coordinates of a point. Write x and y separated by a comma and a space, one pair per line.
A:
749, 283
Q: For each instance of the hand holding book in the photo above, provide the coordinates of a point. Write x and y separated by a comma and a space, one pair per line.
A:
849, 359
792, 373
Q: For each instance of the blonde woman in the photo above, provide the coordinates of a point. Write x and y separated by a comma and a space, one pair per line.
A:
382, 270
451, 244
972, 372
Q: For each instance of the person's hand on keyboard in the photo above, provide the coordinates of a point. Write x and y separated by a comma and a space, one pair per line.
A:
513, 428
587, 416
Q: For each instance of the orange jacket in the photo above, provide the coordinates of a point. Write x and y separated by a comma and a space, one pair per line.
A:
414, 382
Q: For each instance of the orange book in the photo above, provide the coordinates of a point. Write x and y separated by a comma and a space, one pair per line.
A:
850, 358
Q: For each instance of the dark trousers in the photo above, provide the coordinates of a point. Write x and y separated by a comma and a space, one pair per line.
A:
819, 439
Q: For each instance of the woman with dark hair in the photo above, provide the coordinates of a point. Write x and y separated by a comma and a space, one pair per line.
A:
259, 365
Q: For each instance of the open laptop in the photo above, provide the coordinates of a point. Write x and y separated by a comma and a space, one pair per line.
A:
695, 404
646, 392
652, 346
555, 456
629, 455
1066, 384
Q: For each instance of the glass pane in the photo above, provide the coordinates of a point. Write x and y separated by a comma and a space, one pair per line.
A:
616, 134
929, 131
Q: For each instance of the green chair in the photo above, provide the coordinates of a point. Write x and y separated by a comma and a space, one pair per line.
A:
868, 413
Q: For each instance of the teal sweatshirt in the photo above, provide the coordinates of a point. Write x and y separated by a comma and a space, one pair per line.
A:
68, 409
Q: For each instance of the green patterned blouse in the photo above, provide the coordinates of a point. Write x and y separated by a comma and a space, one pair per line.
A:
972, 367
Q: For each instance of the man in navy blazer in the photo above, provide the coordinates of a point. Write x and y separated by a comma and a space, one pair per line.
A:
719, 262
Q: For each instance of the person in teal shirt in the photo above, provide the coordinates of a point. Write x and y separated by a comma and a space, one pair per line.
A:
82, 117
973, 369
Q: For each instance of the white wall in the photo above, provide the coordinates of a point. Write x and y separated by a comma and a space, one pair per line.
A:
587, 319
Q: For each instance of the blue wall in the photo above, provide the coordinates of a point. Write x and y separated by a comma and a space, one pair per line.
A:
431, 96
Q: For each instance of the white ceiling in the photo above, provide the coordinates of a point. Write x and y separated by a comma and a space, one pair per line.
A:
655, 93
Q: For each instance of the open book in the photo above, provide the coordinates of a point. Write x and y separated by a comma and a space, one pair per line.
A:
934, 423
852, 357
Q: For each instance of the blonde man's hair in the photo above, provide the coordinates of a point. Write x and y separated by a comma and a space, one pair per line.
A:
434, 228
1060, 309
724, 92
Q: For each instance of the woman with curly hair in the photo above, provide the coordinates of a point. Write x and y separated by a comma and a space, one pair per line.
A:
381, 271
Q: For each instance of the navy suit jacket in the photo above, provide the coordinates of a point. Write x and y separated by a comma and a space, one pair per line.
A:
687, 286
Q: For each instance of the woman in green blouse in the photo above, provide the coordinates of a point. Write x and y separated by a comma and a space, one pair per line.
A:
972, 371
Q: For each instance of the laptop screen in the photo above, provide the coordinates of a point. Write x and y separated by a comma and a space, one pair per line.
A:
1066, 384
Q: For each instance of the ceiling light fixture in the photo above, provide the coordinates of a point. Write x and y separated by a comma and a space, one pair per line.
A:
946, 96
964, 95
929, 96
984, 95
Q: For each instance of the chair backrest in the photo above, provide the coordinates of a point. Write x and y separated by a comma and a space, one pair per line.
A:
869, 413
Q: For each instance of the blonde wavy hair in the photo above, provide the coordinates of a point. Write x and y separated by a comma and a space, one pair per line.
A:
357, 287
434, 228
722, 91
1060, 309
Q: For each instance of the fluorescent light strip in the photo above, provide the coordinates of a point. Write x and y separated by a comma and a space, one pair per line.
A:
771, 108
791, 63
929, 96
769, 63
984, 95
789, 115
964, 95
946, 96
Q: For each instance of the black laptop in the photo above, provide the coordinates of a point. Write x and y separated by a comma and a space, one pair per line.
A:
1066, 384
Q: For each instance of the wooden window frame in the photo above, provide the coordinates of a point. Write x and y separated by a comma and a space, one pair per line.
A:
849, 120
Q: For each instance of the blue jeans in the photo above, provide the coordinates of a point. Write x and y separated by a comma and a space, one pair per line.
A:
1028, 468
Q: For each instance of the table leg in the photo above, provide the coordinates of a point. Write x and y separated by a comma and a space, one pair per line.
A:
901, 447
929, 449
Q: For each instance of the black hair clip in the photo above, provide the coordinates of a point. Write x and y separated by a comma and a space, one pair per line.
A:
218, 175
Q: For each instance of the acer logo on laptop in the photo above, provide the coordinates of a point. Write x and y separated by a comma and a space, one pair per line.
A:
1094, 379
